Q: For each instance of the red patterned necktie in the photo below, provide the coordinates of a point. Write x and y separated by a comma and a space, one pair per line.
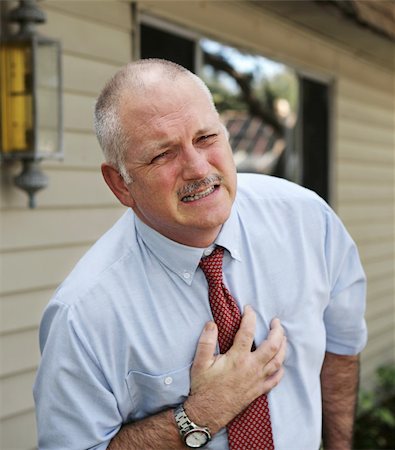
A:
251, 429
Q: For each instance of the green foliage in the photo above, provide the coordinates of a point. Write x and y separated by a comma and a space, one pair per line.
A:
375, 424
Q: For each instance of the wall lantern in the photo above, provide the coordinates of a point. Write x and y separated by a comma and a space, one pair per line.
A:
31, 98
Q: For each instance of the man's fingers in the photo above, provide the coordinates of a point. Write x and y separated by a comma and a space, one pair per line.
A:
272, 345
273, 380
245, 335
204, 355
276, 363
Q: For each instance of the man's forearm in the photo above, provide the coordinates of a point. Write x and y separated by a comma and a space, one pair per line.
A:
339, 383
158, 431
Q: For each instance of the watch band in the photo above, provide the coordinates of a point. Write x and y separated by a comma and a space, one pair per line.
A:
194, 436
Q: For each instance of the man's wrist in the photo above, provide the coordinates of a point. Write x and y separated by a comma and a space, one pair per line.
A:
192, 434
201, 411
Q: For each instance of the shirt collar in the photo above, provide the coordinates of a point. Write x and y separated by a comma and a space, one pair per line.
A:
182, 259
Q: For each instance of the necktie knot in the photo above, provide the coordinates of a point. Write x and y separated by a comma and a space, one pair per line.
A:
212, 266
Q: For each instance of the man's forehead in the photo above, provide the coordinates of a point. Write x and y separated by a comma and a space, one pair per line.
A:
160, 103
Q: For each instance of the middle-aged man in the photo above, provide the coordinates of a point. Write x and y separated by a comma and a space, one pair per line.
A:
220, 311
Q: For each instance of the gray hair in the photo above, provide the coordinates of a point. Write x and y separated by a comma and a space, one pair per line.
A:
107, 122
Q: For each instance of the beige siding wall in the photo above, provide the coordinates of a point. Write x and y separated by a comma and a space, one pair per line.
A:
38, 248
365, 189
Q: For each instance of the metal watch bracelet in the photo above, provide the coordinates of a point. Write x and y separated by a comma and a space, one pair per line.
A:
194, 436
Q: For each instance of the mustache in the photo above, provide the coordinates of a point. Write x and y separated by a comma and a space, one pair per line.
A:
195, 185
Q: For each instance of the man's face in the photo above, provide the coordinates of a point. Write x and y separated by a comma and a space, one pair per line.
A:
184, 177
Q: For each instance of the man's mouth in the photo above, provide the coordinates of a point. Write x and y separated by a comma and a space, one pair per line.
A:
200, 189
198, 196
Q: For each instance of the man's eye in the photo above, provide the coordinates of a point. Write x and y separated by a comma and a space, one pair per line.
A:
159, 157
206, 138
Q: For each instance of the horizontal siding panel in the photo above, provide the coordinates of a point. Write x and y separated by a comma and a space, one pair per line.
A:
19, 432
81, 151
369, 133
16, 393
365, 192
78, 112
380, 350
40, 268
378, 231
377, 288
382, 344
357, 231
379, 269
354, 69
369, 173
19, 352
66, 189
371, 95
354, 148
374, 250
89, 39
77, 189
381, 276
23, 310
380, 307
379, 302
380, 336
115, 13
364, 113
366, 213
83, 225
85, 75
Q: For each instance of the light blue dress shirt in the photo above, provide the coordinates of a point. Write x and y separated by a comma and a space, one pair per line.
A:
119, 336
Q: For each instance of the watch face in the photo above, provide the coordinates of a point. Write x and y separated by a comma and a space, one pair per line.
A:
196, 439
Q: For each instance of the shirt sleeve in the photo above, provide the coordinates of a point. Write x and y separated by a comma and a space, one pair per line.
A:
346, 332
75, 407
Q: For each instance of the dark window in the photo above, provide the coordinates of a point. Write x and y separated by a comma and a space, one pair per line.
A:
315, 136
156, 43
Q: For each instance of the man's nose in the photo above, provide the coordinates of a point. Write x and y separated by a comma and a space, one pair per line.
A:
194, 163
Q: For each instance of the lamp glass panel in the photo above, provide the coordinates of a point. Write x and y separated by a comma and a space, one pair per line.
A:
16, 98
47, 99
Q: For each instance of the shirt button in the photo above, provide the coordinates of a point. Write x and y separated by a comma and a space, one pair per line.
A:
207, 252
168, 380
187, 275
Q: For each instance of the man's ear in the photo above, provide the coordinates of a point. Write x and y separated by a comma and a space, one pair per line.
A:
117, 184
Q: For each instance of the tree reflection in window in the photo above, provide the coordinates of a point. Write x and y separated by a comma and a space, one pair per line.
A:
257, 99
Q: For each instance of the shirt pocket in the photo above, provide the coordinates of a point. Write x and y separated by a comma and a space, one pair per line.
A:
152, 393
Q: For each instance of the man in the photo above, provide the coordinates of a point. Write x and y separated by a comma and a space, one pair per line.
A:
130, 358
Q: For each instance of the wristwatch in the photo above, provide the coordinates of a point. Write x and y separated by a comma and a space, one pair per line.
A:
193, 435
